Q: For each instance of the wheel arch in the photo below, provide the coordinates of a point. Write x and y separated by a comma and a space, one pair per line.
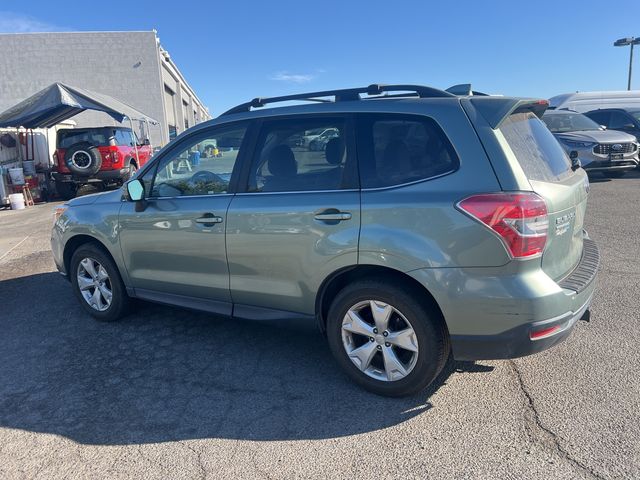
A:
129, 160
76, 242
340, 278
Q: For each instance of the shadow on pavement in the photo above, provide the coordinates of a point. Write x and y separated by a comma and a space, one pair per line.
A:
165, 374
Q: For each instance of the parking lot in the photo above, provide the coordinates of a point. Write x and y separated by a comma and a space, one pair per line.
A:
170, 393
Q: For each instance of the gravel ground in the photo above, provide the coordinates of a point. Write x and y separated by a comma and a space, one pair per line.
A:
169, 393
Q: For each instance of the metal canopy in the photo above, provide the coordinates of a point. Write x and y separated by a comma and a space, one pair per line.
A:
59, 102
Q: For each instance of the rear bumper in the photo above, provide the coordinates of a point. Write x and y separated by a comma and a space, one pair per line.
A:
119, 175
516, 342
491, 314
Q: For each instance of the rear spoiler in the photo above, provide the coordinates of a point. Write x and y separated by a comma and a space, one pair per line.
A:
495, 110
464, 90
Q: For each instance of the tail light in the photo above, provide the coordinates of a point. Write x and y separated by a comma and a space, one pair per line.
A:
520, 219
110, 155
114, 153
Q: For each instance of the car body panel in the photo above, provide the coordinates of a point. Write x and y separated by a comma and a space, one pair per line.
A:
279, 254
184, 257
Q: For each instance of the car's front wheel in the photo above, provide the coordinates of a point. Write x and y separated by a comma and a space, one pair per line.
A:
387, 339
97, 283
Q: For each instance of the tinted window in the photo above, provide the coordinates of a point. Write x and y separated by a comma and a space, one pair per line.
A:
601, 118
299, 155
202, 166
124, 137
98, 137
619, 120
569, 122
537, 150
399, 149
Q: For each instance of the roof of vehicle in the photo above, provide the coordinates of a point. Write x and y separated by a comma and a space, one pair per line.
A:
377, 97
412, 101
84, 129
556, 111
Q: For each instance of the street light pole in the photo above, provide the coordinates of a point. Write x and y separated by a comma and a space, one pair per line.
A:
630, 66
623, 42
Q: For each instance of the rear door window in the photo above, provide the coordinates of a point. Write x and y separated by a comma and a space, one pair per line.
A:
394, 149
124, 138
534, 146
302, 154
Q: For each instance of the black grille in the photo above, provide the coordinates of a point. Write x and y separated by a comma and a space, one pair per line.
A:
586, 270
606, 148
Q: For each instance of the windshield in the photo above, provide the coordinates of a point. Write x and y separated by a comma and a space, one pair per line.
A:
636, 114
569, 122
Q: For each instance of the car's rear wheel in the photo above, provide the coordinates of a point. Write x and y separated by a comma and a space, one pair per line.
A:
97, 283
385, 338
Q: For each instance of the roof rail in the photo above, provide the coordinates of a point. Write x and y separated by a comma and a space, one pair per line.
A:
342, 95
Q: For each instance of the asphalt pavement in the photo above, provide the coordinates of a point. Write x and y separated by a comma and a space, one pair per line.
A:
170, 393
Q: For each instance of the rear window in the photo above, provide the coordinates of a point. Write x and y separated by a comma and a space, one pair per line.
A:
537, 150
98, 137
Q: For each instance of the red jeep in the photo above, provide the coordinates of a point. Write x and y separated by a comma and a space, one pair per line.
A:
101, 155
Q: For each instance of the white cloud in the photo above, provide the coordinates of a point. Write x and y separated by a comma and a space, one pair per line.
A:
292, 77
11, 22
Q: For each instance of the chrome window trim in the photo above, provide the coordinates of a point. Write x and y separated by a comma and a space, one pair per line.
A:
191, 196
289, 192
413, 182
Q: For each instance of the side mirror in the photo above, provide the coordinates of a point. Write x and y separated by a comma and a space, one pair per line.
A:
575, 161
135, 190
604, 127
146, 142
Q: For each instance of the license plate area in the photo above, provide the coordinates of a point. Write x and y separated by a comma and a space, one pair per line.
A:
616, 156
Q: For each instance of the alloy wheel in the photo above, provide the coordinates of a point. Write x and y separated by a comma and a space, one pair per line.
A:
379, 340
94, 284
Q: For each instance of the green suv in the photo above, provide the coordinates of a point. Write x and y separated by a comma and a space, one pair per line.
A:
430, 224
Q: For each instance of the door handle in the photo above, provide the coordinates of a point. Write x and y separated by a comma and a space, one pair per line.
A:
209, 219
332, 215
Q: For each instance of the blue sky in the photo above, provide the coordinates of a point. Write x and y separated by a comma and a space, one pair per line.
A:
231, 51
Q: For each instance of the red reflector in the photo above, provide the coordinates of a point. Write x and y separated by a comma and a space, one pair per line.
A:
520, 219
545, 332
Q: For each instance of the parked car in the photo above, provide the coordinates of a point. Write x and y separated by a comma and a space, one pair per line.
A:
609, 152
625, 120
320, 142
432, 224
99, 156
587, 101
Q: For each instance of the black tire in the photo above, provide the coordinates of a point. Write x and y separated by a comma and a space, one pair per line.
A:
431, 335
83, 159
66, 190
120, 301
614, 173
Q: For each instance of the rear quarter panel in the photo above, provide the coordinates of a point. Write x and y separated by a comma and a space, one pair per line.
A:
418, 226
